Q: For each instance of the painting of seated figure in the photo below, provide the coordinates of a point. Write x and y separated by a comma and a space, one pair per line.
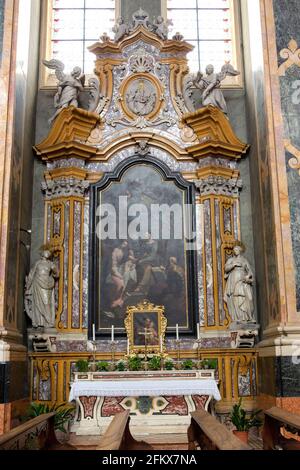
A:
146, 257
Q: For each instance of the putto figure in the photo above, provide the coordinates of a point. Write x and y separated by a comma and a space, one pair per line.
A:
120, 29
210, 85
69, 86
39, 292
238, 292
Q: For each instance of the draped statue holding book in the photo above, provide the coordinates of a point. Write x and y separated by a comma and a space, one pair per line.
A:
39, 292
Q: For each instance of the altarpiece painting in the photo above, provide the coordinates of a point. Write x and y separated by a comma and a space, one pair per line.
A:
145, 263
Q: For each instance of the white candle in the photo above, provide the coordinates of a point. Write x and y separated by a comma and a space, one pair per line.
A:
112, 332
177, 332
94, 333
161, 344
198, 330
128, 347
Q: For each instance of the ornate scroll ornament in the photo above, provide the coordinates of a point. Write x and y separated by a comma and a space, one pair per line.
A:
66, 186
291, 54
219, 185
294, 162
97, 101
141, 62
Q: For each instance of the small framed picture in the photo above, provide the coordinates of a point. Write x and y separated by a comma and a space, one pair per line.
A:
146, 326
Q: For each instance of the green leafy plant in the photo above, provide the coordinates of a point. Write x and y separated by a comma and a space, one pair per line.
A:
188, 364
209, 364
82, 366
121, 366
134, 363
169, 365
64, 413
154, 363
103, 366
240, 420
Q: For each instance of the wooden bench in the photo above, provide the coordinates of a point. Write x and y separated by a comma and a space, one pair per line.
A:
206, 432
36, 434
118, 436
281, 430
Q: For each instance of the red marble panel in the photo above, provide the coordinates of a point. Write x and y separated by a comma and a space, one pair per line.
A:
88, 404
111, 406
176, 406
200, 401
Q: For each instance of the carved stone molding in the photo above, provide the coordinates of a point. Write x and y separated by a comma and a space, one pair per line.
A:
65, 187
215, 134
291, 54
294, 162
219, 185
69, 134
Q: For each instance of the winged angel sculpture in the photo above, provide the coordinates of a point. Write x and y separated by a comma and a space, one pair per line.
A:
210, 85
69, 86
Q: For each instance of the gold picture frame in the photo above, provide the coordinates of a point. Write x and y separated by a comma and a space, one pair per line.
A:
146, 325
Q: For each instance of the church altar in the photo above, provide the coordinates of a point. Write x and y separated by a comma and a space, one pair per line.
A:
161, 400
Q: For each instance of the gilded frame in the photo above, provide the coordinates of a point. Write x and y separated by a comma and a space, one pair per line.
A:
138, 315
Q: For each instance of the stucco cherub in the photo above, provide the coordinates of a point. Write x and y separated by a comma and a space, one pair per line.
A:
69, 86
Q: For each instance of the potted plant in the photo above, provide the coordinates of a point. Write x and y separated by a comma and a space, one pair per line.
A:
188, 364
82, 366
154, 363
63, 415
169, 364
243, 423
121, 366
134, 363
209, 364
103, 366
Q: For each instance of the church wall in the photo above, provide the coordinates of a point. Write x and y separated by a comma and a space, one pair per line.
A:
14, 383
274, 133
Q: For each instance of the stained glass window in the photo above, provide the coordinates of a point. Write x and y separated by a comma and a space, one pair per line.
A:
209, 26
76, 24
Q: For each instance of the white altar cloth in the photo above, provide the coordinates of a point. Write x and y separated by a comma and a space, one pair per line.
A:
149, 388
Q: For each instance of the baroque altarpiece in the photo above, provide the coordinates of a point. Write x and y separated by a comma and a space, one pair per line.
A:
141, 142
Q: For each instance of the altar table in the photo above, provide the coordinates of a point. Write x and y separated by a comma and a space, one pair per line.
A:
158, 402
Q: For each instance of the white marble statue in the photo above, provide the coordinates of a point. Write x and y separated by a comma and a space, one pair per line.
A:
161, 27
210, 86
120, 29
39, 292
238, 291
69, 86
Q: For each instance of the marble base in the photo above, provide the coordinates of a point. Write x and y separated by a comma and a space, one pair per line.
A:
164, 415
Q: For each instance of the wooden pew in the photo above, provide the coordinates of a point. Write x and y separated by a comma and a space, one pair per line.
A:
118, 436
208, 433
279, 422
36, 434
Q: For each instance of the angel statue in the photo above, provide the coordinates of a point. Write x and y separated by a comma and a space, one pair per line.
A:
210, 84
69, 86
